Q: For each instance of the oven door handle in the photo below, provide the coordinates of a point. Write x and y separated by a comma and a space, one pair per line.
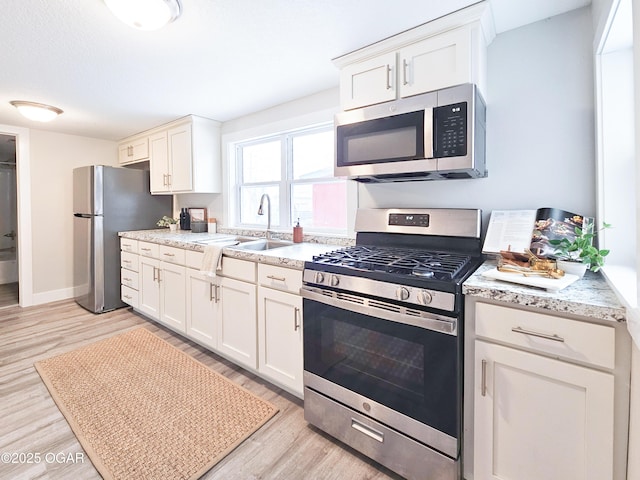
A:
380, 309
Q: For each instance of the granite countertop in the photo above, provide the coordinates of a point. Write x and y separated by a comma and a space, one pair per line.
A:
292, 256
590, 296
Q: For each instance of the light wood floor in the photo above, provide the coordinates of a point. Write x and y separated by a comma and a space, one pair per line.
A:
286, 448
8, 294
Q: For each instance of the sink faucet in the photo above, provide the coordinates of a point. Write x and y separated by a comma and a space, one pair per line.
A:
261, 212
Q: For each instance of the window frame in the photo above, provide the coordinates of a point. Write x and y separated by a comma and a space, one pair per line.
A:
286, 182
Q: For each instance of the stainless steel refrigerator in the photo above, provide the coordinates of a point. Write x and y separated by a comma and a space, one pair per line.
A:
108, 200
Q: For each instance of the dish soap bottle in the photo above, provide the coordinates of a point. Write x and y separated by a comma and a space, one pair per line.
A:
297, 233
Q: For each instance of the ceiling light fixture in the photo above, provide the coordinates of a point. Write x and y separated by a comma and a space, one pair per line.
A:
145, 14
36, 111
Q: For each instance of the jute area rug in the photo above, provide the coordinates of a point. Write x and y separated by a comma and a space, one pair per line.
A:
143, 409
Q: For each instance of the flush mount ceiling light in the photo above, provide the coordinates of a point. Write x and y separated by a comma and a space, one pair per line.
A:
145, 14
36, 111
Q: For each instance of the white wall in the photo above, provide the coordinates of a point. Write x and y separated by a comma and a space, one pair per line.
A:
53, 158
540, 127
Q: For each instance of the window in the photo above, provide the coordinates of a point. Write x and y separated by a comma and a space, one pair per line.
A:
616, 150
295, 169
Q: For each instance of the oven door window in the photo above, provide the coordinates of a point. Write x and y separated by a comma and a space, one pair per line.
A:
388, 139
409, 369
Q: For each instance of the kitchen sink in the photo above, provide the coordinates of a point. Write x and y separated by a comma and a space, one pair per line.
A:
229, 239
262, 244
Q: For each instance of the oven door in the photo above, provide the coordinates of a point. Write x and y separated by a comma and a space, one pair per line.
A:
401, 368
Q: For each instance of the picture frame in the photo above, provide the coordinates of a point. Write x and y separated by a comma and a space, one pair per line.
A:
198, 214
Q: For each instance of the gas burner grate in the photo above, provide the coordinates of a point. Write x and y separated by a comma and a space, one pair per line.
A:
404, 261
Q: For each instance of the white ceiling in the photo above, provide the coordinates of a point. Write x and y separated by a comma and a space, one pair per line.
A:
221, 59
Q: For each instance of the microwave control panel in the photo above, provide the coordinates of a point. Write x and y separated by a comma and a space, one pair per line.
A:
450, 130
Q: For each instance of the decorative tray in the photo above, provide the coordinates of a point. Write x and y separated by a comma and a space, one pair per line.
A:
549, 284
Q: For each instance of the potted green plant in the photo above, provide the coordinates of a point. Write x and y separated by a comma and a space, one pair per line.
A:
578, 254
170, 222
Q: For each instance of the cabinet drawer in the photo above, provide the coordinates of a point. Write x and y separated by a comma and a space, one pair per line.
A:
193, 259
280, 278
147, 249
129, 261
129, 278
562, 337
129, 245
239, 269
172, 254
129, 296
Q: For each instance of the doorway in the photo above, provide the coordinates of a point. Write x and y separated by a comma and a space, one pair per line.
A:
9, 286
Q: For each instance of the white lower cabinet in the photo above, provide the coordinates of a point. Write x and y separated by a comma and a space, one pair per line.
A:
149, 293
546, 404
162, 292
280, 337
250, 314
172, 282
203, 307
237, 329
540, 418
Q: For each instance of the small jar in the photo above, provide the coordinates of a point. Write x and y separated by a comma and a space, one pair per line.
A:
211, 225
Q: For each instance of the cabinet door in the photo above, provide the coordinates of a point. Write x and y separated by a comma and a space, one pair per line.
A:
149, 293
135, 150
203, 294
180, 157
368, 82
159, 163
280, 337
237, 330
437, 62
540, 418
172, 295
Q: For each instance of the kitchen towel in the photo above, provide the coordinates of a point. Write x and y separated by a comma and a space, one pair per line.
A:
212, 259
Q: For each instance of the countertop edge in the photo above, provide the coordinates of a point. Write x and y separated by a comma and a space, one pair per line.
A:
589, 297
293, 256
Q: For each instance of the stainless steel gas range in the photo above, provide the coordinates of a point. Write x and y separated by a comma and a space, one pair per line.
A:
383, 338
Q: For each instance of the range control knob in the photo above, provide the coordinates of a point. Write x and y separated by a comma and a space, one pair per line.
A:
319, 277
424, 297
402, 293
335, 280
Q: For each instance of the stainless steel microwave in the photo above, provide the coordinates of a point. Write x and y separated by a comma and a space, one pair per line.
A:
435, 135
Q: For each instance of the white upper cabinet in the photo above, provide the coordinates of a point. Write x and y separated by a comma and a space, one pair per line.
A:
185, 157
445, 52
133, 150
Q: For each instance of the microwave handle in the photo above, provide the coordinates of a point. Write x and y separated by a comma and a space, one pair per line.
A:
428, 132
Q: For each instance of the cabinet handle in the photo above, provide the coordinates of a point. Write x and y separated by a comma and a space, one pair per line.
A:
126, 261
547, 336
145, 249
154, 274
168, 254
128, 297
165, 180
214, 293
296, 319
159, 279
168, 180
483, 386
273, 277
126, 279
405, 65
129, 151
389, 77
